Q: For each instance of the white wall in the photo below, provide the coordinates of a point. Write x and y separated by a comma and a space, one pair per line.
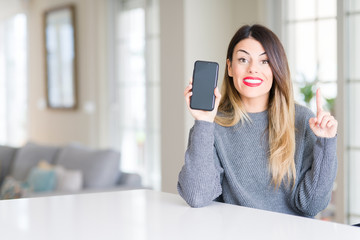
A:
61, 126
12, 7
172, 77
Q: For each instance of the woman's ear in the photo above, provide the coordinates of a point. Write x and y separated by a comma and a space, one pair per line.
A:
229, 68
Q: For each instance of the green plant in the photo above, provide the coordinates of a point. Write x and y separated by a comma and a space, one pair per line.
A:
309, 92
330, 104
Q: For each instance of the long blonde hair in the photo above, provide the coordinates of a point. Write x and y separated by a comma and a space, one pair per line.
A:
281, 106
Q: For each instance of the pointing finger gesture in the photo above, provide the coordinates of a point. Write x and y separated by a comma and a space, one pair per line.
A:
323, 125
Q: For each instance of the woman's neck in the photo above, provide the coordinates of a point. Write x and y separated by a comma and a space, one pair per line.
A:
254, 105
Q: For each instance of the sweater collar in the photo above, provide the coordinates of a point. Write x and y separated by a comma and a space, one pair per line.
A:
259, 118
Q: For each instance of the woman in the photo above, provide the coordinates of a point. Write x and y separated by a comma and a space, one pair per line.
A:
257, 148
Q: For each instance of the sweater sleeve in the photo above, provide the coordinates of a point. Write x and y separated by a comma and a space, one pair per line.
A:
200, 178
313, 190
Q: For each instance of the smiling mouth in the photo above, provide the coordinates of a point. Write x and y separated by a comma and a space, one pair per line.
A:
252, 81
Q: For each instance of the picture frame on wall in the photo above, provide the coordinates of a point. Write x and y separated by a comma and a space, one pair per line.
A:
60, 58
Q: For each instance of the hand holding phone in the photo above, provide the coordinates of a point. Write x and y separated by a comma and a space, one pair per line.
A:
205, 78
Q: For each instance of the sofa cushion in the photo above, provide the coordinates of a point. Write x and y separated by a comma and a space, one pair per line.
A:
6, 158
100, 168
28, 157
11, 188
42, 180
68, 180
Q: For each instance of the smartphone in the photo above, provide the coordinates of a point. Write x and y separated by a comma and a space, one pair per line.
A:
205, 78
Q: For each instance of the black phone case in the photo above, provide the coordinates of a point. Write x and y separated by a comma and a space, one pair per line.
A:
205, 76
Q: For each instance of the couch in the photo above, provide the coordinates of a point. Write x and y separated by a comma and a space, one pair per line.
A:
39, 170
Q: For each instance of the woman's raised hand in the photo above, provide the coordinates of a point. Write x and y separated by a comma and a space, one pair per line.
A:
208, 116
323, 125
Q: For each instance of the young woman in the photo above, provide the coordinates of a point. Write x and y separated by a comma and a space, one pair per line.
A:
257, 148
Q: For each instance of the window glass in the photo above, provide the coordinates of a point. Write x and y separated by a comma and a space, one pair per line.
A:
305, 64
353, 108
301, 9
13, 80
353, 103
131, 91
135, 90
354, 53
326, 8
326, 47
354, 182
354, 5
311, 48
328, 93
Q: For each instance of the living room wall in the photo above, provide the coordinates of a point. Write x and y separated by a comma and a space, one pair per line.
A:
83, 124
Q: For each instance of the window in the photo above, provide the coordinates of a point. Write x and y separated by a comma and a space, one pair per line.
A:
135, 89
13, 80
352, 89
310, 28
311, 40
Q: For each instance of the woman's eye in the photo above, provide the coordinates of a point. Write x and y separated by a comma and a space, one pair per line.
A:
265, 61
243, 60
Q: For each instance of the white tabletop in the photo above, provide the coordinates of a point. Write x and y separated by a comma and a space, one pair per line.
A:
146, 214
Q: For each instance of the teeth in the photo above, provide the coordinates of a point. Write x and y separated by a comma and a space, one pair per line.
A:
252, 81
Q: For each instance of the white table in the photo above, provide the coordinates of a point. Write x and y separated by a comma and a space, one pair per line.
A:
146, 214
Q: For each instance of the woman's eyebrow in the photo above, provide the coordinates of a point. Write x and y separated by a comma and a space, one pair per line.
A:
242, 50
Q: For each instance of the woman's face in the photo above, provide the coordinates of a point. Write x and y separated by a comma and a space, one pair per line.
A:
251, 73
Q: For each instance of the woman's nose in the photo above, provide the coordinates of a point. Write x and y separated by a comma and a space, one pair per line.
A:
252, 68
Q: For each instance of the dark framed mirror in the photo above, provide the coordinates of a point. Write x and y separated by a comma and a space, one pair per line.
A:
60, 58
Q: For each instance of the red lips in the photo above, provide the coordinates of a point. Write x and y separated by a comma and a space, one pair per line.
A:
252, 81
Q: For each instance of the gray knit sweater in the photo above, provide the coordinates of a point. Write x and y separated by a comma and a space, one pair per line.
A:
230, 164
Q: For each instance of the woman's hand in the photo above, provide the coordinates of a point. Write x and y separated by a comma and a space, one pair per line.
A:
208, 116
323, 125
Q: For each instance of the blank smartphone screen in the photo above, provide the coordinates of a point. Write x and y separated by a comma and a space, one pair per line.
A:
204, 82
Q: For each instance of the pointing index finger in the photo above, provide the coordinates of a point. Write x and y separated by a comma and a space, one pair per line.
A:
318, 101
